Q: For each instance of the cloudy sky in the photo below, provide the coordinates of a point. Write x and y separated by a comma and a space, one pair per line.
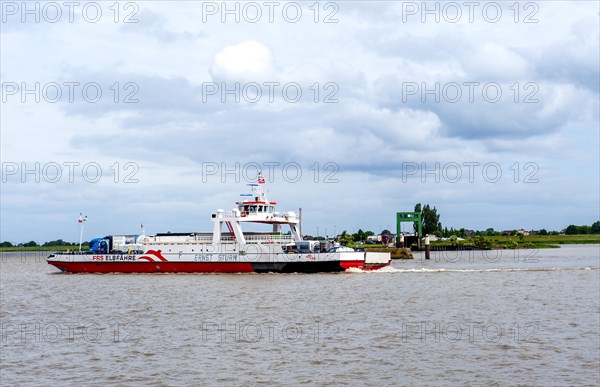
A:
160, 112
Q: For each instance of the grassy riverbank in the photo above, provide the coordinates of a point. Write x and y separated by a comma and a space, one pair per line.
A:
41, 248
523, 242
514, 242
485, 242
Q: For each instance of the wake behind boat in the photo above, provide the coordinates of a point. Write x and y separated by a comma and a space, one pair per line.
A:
230, 252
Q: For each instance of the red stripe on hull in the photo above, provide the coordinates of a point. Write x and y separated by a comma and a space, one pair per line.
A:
153, 267
361, 265
180, 267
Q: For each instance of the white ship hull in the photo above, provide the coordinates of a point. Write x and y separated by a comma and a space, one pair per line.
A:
209, 260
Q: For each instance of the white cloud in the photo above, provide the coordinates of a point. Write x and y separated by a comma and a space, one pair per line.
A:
247, 61
491, 60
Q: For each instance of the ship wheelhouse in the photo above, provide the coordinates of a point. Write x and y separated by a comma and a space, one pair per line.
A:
256, 208
257, 202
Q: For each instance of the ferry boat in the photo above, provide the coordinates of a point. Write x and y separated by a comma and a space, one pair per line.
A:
232, 251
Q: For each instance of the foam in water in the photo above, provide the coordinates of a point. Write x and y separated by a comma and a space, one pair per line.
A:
390, 269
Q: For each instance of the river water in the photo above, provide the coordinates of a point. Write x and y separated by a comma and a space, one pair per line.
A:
495, 318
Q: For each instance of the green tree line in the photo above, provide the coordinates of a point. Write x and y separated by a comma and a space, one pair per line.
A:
593, 229
58, 242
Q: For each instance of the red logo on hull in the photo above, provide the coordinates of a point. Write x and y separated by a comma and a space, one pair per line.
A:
157, 255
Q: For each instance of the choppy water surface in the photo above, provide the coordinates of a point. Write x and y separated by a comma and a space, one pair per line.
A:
500, 318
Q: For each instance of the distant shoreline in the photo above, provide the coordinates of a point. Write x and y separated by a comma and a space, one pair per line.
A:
492, 243
518, 242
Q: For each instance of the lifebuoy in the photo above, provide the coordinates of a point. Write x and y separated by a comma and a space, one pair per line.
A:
243, 213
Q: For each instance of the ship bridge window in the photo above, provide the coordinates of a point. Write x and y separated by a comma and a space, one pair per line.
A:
270, 208
260, 208
252, 208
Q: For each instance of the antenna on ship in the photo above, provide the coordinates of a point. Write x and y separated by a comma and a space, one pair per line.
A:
81, 220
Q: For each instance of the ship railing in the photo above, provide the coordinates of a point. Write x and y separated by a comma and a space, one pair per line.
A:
261, 238
269, 238
203, 238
